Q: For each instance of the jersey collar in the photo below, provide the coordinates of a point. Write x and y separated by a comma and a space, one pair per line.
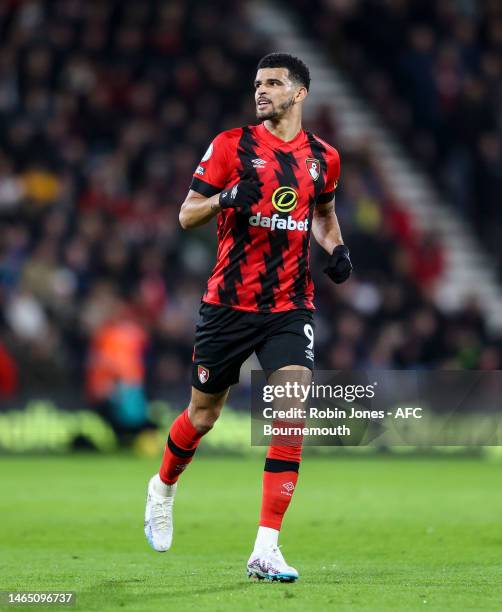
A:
277, 143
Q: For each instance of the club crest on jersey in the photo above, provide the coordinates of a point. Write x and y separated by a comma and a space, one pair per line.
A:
203, 374
314, 167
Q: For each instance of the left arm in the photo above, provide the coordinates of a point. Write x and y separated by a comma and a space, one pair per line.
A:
325, 226
327, 232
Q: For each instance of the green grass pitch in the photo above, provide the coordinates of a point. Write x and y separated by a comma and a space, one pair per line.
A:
366, 534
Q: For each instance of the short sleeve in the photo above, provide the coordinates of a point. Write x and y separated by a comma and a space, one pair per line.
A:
332, 178
211, 175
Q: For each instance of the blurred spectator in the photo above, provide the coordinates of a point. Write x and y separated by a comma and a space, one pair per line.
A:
115, 369
8, 374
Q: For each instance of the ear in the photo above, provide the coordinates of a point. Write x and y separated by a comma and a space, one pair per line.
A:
301, 94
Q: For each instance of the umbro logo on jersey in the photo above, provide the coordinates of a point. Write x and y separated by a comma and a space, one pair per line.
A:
258, 162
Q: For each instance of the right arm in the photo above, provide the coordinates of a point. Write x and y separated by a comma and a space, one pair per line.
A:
197, 209
207, 193
202, 201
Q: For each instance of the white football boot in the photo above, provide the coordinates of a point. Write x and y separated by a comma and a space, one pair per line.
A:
269, 564
159, 514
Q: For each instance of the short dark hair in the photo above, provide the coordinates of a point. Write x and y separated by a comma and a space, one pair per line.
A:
298, 71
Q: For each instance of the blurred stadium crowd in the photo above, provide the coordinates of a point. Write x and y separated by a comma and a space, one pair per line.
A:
434, 70
105, 110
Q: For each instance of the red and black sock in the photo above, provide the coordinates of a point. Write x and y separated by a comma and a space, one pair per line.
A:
279, 482
182, 443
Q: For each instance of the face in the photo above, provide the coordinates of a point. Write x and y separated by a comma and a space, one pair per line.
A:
275, 93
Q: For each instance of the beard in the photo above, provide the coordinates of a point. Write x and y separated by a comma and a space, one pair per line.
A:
275, 113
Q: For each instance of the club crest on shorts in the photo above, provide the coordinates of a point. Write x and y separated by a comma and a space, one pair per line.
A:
203, 374
314, 167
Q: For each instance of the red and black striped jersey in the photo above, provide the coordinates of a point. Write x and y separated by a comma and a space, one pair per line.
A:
262, 262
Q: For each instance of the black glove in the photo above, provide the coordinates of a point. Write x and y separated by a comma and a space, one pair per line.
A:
242, 195
339, 266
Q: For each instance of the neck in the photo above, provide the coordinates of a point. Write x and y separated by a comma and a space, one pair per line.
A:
285, 128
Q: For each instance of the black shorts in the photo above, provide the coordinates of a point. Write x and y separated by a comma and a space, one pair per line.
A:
225, 338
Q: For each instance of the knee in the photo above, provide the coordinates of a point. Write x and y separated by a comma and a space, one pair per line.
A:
203, 418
